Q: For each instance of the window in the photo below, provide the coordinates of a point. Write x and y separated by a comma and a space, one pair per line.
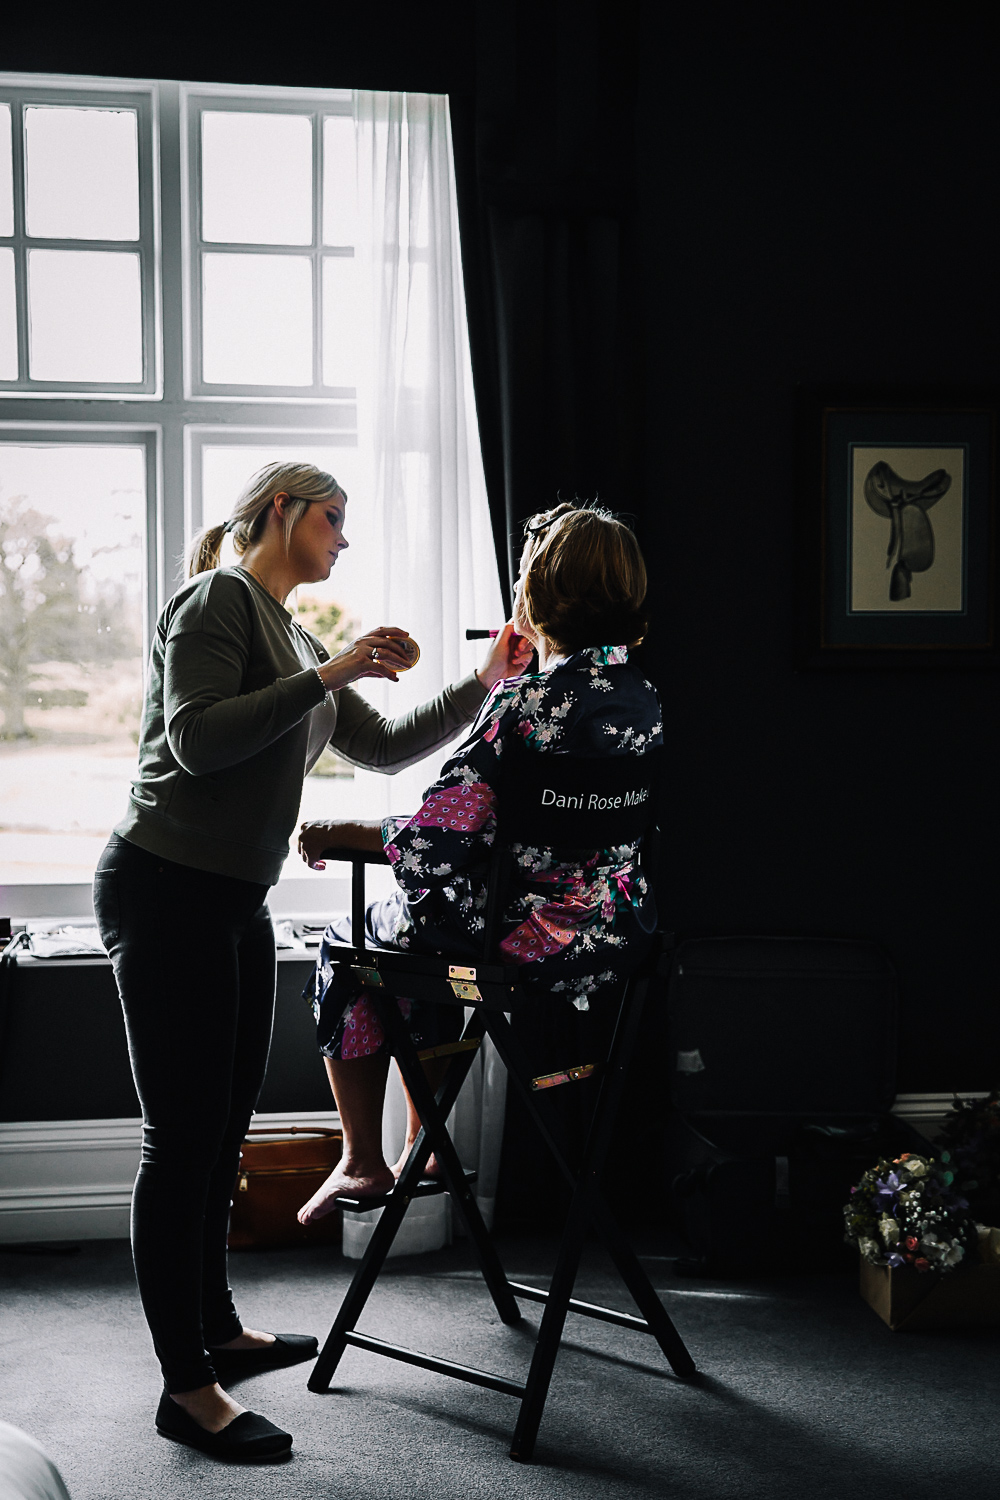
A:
178, 305
73, 527
272, 220
77, 247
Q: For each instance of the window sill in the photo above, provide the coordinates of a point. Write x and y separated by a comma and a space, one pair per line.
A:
301, 955
294, 897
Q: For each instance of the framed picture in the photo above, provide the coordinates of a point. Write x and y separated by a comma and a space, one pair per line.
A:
898, 547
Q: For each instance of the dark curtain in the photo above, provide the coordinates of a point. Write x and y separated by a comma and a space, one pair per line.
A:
544, 149
422, 46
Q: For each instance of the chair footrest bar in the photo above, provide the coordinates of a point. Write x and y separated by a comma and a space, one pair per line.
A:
427, 1187
440, 1366
447, 1049
586, 1309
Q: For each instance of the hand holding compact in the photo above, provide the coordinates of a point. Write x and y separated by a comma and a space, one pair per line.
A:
378, 653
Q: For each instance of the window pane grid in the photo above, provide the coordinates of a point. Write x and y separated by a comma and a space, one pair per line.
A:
207, 323
81, 380
266, 423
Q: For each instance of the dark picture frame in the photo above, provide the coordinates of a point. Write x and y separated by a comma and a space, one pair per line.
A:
897, 536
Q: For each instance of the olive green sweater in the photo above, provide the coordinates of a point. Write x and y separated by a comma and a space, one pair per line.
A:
235, 715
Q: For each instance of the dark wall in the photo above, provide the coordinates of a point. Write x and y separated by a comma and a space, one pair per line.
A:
425, 45
64, 1056
817, 205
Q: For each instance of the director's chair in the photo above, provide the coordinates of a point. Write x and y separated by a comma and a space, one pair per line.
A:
567, 803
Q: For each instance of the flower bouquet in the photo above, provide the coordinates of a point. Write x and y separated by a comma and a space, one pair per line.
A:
914, 1229
909, 1213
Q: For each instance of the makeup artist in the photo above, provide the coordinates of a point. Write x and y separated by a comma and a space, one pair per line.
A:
240, 703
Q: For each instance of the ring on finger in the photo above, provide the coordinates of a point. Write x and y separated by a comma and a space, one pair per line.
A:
375, 655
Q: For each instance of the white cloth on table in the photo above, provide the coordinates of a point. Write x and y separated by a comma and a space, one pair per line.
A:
67, 942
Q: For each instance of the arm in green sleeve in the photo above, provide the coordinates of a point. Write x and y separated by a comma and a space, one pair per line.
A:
210, 724
366, 739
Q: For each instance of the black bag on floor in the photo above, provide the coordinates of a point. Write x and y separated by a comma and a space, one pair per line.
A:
782, 1058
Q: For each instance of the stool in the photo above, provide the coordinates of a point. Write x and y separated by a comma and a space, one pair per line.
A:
493, 990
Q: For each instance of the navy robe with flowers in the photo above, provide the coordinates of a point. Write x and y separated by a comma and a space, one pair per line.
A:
572, 926
562, 918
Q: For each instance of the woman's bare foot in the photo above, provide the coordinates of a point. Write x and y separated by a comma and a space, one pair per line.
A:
210, 1406
430, 1170
347, 1180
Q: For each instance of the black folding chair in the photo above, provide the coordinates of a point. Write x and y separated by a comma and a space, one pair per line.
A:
566, 803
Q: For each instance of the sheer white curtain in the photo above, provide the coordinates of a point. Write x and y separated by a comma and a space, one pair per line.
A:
426, 493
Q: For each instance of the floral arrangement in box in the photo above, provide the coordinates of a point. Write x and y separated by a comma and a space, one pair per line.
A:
909, 1212
971, 1134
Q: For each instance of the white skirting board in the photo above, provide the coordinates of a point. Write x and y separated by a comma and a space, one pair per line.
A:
926, 1112
72, 1179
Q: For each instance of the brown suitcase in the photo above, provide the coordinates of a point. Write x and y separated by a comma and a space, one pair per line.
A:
280, 1168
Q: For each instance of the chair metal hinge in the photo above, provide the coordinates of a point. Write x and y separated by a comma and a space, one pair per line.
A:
570, 1075
463, 983
370, 977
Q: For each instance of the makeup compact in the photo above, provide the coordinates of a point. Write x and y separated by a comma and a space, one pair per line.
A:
410, 649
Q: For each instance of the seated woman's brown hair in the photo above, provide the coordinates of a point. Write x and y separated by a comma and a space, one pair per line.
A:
583, 580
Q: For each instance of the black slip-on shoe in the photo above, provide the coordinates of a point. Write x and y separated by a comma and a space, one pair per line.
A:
249, 1438
287, 1349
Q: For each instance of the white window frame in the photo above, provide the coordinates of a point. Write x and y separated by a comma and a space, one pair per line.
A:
195, 100
21, 92
173, 418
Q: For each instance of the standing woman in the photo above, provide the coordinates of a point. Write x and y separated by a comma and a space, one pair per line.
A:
240, 703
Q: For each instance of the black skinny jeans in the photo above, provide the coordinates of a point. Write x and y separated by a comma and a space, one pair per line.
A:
193, 954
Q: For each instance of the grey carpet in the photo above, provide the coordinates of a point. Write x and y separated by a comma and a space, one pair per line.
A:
803, 1392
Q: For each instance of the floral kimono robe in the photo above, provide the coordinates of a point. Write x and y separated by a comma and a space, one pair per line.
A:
571, 925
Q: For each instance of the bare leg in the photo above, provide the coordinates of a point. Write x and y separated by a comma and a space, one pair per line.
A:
434, 1071
359, 1089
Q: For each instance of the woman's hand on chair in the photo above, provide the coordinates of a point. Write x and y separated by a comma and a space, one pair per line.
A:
318, 836
509, 657
374, 654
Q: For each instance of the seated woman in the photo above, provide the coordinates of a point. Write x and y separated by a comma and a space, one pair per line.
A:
580, 596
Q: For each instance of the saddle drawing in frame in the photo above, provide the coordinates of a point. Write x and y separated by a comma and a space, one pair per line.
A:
897, 555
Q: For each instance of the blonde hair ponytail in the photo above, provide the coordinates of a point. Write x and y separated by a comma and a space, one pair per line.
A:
205, 549
303, 483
